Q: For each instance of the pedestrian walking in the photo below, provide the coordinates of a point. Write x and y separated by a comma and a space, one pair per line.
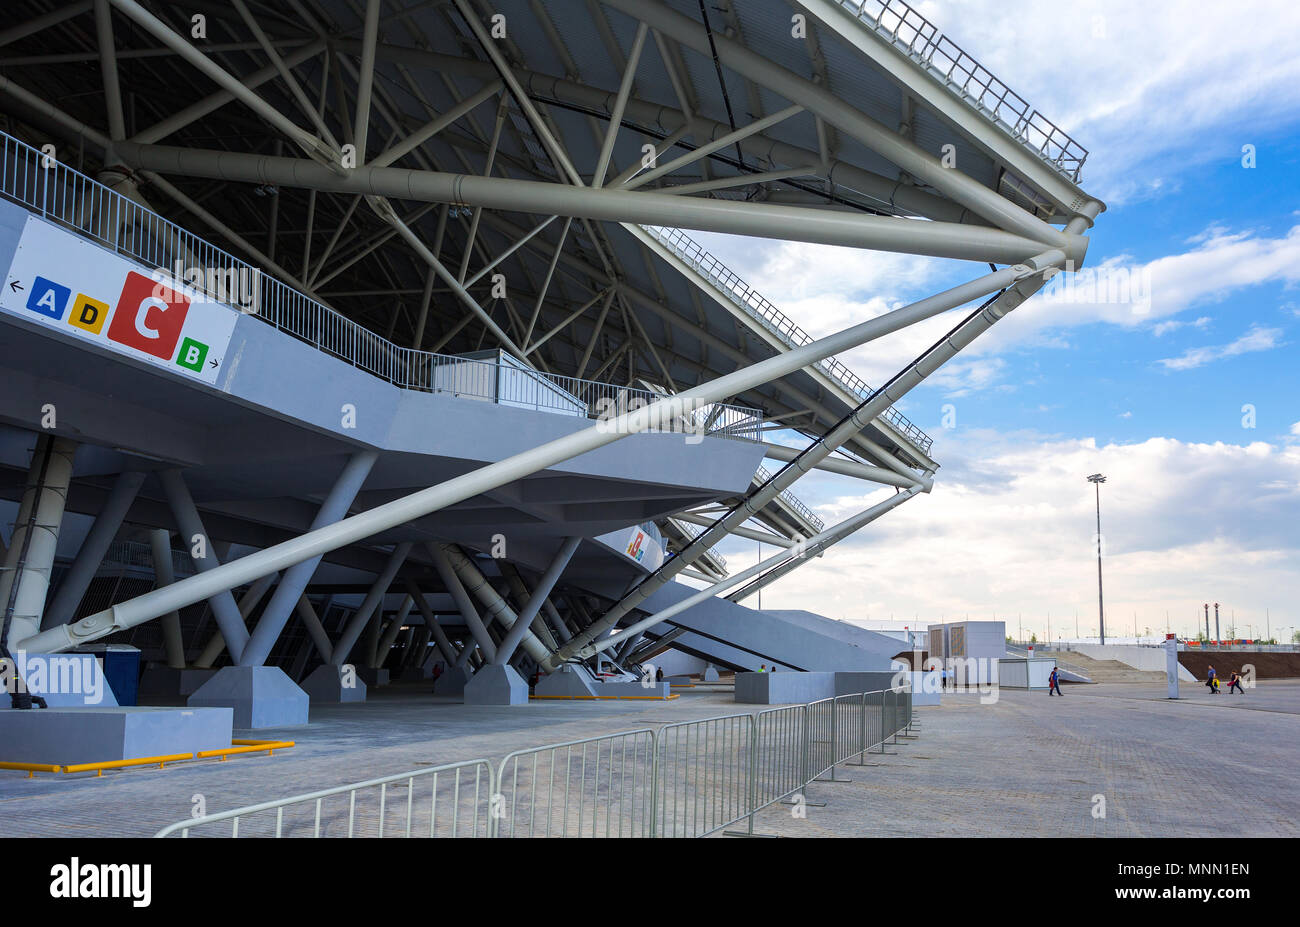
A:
1212, 680
1054, 684
1235, 683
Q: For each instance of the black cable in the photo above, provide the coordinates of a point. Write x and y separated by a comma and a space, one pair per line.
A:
722, 83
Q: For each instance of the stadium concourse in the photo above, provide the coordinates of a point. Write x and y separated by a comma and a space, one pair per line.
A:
352, 343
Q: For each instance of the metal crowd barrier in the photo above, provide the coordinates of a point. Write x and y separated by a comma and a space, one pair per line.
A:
687, 779
453, 800
597, 787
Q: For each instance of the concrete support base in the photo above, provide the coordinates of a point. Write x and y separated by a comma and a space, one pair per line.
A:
261, 696
496, 685
568, 680
710, 673
67, 736
452, 681
634, 689
331, 684
373, 676
64, 680
784, 688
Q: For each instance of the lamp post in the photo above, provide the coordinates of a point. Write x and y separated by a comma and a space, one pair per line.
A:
1096, 480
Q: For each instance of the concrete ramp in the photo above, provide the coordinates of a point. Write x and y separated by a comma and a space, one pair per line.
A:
732, 635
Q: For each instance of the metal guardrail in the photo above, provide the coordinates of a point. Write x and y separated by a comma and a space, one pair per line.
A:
909, 31
686, 779
762, 474
86, 207
759, 308
440, 801
694, 531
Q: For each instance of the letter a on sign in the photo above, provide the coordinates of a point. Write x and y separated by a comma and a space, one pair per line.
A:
149, 316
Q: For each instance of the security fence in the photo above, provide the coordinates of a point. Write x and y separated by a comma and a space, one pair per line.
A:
686, 779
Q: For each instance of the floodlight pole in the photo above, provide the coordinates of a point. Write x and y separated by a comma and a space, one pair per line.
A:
1097, 479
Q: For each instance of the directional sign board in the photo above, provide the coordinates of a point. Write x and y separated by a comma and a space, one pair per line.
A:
81, 289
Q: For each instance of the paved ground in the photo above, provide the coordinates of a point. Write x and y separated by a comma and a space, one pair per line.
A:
1030, 765
1027, 765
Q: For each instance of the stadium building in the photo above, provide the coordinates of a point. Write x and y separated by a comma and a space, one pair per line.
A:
347, 340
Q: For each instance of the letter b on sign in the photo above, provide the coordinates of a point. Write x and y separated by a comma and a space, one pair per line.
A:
149, 316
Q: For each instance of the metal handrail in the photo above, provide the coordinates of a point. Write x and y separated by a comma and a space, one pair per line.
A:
759, 308
694, 531
970, 81
763, 475
86, 207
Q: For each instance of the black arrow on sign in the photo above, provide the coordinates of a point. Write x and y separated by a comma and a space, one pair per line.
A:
15, 285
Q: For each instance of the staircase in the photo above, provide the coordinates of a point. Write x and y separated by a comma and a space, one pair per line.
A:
1112, 670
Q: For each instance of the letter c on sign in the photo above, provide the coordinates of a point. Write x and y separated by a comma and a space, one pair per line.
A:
142, 314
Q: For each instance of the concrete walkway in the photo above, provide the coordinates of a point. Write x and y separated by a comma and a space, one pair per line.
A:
1027, 765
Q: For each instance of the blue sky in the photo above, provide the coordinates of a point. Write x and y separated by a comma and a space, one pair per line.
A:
1199, 507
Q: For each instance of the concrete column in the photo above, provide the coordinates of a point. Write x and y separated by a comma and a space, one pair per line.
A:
224, 609
26, 576
380, 656
319, 638
543, 588
75, 582
160, 540
450, 579
247, 602
276, 615
376, 595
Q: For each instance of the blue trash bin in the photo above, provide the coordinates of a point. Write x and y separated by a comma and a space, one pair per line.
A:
121, 664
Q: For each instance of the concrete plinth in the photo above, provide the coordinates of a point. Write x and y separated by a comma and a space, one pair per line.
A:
452, 681
634, 689
710, 673
67, 736
568, 680
373, 676
331, 684
261, 696
496, 685
783, 688
64, 680
853, 683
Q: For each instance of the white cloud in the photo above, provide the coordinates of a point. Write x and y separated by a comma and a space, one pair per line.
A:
1256, 338
1160, 329
1010, 528
1157, 88
824, 289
